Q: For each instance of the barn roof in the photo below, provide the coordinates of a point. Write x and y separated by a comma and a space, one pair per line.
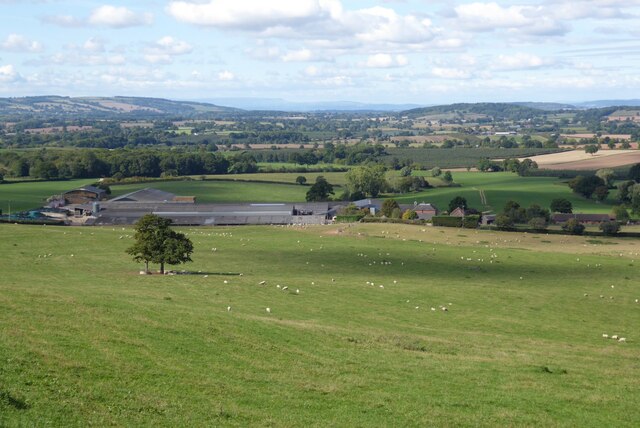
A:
146, 195
93, 189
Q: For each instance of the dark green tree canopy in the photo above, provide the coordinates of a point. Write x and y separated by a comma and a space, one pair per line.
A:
561, 205
586, 185
388, 206
320, 190
156, 242
458, 202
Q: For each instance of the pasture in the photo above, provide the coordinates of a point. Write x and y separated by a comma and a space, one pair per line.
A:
85, 340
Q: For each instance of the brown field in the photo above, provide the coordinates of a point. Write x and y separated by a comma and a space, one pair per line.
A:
620, 137
579, 160
125, 107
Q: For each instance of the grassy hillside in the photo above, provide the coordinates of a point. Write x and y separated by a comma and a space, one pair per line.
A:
85, 340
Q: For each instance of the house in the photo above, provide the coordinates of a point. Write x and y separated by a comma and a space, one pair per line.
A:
459, 212
582, 218
84, 195
425, 211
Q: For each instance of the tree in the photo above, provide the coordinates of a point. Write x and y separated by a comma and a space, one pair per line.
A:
634, 173
301, 179
515, 212
538, 223
609, 228
458, 202
573, 226
409, 215
591, 149
585, 186
624, 191
156, 242
320, 190
1, 177
561, 205
369, 180
536, 211
447, 177
388, 206
504, 221
601, 193
607, 175
436, 172
620, 214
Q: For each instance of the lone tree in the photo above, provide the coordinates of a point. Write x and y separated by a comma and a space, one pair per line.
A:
591, 149
156, 242
320, 190
301, 179
561, 205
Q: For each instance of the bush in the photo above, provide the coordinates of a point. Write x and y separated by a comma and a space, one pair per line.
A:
538, 223
409, 215
573, 227
468, 222
609, 228
621, 214
349, 218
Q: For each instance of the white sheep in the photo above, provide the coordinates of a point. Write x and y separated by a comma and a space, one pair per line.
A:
228, 308
268, 310
614, 337
605, 335
262, 282
622, 339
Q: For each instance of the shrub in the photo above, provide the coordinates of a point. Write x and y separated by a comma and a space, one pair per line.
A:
573, 226
409, 215
538, 223
609, 228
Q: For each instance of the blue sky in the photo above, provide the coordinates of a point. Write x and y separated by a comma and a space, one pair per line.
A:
393, 51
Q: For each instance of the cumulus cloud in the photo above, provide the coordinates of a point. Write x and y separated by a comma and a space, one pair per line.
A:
8, 74
164, 49
19, 43
450, 73
520, 61
226, 76
104, 16
301, 55
118, 17
247, 14
533, 20
386, 61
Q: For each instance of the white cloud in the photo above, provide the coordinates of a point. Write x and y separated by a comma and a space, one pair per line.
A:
247, 14
19, 43
8, 74
532, 20
93, 44
103, 16
163, 50
450, 73
519, 61
226, 76
386, 61
301, 55
118, 17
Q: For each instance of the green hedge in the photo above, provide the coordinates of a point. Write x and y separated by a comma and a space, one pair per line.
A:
469, 222
349, 218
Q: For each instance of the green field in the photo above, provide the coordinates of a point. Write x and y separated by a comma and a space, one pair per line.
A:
85, 340
280, 187
499, 187
30, 195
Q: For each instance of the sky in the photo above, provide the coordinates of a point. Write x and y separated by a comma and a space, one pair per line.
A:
384, 51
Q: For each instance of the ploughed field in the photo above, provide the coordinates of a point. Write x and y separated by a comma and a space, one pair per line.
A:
351, 341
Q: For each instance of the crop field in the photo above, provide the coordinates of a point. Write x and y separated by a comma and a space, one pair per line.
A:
351, 341
459, 157
579, 160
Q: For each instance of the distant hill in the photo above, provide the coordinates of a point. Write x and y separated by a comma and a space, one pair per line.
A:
497, 111
278, 104
547, 106
609, 103
52, 106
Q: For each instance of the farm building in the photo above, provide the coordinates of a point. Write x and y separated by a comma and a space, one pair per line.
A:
84, 195
127, 209
582, 218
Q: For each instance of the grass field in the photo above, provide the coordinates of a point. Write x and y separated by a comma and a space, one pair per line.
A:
85, 340
497, 187
29, 195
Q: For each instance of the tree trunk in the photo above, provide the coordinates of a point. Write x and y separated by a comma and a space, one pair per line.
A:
162, 268
146, 266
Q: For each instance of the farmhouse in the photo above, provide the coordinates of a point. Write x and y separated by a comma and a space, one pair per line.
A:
425, 211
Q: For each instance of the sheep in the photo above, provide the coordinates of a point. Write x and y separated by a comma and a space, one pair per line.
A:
206, 276
262, 282
228, 308
614, 337
285, 288
268, 310
622, 339
297, 291
225, 281
605, 335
